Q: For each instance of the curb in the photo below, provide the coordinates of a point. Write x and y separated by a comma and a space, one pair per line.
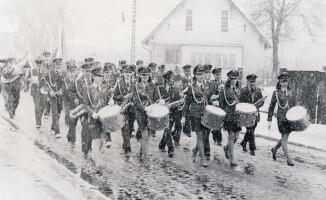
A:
86, 175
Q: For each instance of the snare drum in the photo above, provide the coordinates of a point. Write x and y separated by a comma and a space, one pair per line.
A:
213, 117
298, 117
158, 117
246, 114
111, 118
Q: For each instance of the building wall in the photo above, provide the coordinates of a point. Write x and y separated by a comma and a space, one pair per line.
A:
206, 35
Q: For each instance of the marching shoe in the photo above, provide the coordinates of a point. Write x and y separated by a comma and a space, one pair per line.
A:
162, 149
290, 163
171, 154
233, 164
38, 126
252, 153
204, 163
57, 136
244, 148
108, 144
274, 153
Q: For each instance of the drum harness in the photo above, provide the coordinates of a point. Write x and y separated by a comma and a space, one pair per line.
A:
139, 96
279, 104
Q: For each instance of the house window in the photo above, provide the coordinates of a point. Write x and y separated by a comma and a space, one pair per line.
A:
225, 60
225, 20
217, 60
232, 61
172, 56
207, 59
193, 59
189, 20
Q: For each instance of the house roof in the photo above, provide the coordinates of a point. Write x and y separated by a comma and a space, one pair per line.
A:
148, 37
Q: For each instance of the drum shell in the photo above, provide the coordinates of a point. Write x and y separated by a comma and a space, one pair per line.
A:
113, 123
246, 119
212, 121
300, 125
157, 124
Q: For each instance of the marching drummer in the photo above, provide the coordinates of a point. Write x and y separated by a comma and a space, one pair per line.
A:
229, 97
123, 95
194, 108
71, 101
47, 66
81, 83
186, 82
108, 83
163, 92
285, 99
143, 97
95, 97
54, 80
216, 86
253, 95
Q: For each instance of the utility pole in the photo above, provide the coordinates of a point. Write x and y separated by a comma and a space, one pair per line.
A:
133, 37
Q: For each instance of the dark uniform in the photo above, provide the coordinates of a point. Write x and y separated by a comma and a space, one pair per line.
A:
71, 101
186, 82
196, 101
285, 99
39, 91
125, 88
54, 80
163, 92
143, 96
216, 85
251, 95
12, 87
47, 66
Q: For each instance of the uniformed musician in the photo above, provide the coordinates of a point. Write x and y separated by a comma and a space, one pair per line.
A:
186, 81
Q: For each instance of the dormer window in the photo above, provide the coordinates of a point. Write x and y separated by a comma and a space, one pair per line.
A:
225, 21
189, 20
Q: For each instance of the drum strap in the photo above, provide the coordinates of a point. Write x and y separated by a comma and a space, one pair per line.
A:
194, 96
90, 100
278, 102
139, 96
159, 93
81, 96
50, 79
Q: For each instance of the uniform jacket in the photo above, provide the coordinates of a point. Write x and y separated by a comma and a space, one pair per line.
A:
94, 98
70, 92
227, 96
143, 96
122, 90
283, 99
55, 80
192, 108
186, 82
40, 73
80, 85
7, 73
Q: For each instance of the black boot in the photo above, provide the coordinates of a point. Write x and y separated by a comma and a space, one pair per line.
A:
244, 146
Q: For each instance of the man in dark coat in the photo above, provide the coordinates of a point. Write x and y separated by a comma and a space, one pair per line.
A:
253, 95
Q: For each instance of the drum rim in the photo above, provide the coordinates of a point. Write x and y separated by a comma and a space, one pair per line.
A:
242, 112
101, 117
148, 114
305, 116
215, 113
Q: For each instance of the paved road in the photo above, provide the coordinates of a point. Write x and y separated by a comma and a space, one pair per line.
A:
256, 177
28, 173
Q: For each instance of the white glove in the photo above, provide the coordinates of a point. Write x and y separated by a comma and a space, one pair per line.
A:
162, 102
269, 125
52, 93
111, 102
216, 103
95, 115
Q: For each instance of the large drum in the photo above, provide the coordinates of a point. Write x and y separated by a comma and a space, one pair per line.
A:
111, 118
213, 117
157, 117
299, 118
246, 114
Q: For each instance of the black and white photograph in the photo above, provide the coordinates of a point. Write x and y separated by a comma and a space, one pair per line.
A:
162, 99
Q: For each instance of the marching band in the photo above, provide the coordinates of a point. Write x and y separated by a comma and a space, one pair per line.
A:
106, 99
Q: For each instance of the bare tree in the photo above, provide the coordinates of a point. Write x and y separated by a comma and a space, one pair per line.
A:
287, 18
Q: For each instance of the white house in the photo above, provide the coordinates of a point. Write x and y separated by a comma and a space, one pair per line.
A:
212, 32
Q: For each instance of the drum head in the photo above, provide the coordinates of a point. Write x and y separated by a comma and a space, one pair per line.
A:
296, 113
158, 111
109, 111
215, 110
246, 108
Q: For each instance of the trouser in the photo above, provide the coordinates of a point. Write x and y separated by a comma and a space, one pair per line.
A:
72, 123
13, 100
85, 134
167, 140
56, 107
207, 149
175, 119
250, 137
233, 137
40, 102
132, 119
217, 135
186, 127
126, 134
200, 144
48, 107
67, 109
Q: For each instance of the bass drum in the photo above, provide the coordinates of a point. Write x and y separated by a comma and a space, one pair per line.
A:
111, 118
246, 114
157, 117
299, 118
213, 117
